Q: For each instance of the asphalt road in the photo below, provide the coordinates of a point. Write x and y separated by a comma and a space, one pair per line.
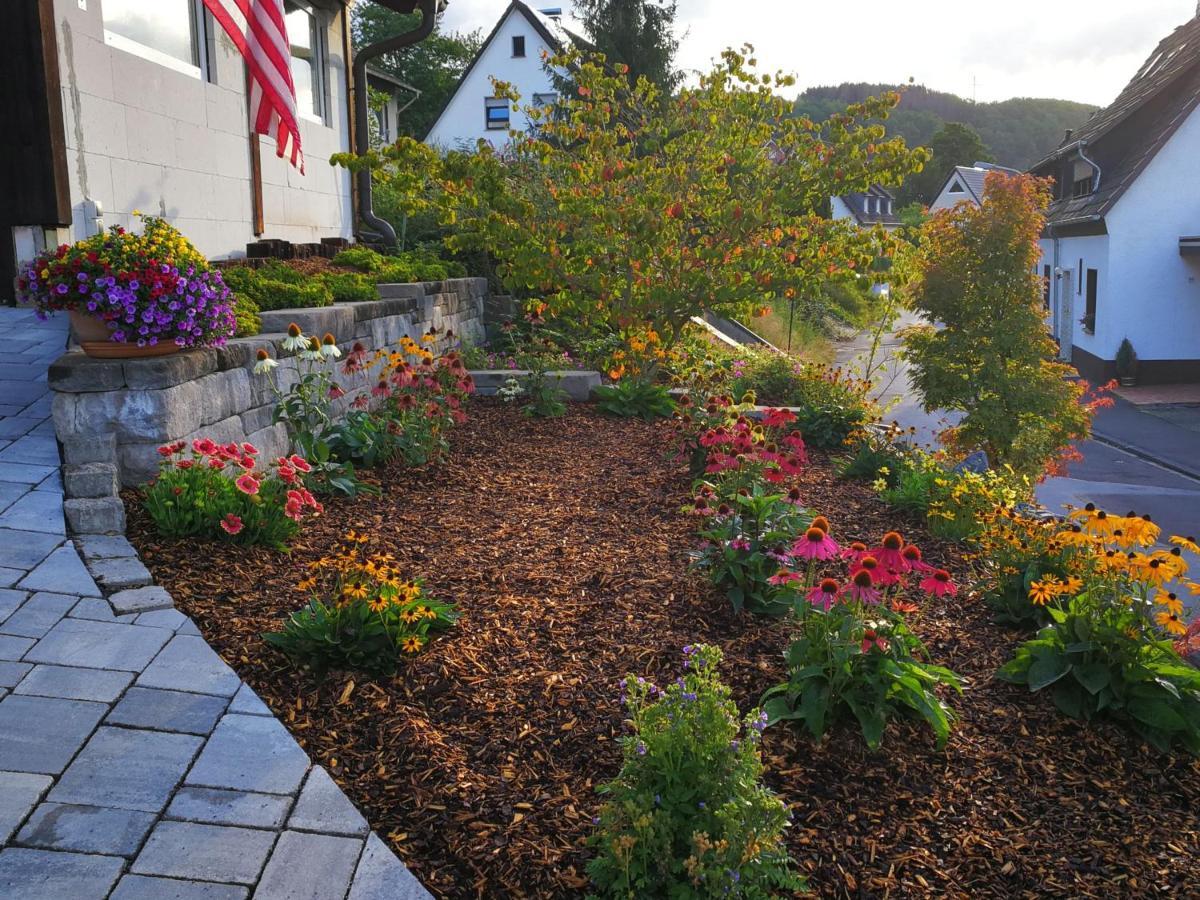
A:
1107, 476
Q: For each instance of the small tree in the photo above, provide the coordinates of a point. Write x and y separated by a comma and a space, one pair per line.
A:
988, 353
629, 212
638, 33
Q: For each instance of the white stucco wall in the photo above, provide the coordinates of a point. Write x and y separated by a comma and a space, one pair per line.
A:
839, 210
947, 200
462, 122
1154, 294
144, 136
1078, 254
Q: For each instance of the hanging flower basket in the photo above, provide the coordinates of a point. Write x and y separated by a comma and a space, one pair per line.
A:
131, 295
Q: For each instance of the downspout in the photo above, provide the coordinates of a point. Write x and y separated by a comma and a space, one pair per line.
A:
428, 9
1096, 180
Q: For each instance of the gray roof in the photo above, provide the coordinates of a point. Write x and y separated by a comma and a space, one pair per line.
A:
1122, 138
856, 203
973, 177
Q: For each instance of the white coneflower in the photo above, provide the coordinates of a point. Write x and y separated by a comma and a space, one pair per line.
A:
312, 350
295, 339
264, 363
329, 346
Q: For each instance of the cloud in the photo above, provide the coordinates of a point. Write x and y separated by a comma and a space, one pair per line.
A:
1023, 48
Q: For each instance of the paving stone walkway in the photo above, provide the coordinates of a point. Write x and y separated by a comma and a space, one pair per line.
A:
134, 763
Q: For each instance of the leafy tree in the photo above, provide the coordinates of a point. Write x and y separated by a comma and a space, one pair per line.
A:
954, 145
989, 354
432, 66
627, 212
637, 33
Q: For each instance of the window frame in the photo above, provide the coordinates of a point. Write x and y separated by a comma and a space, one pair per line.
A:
320, 61
1091, 299
515, 39
490, 103
202, 67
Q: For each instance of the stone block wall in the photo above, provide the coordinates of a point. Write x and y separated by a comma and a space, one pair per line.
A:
112, 415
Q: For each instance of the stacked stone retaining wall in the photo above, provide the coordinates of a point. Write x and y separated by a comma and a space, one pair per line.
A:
112, 415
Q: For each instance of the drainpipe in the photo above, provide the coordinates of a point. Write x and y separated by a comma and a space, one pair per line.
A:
428, 9
1094, 165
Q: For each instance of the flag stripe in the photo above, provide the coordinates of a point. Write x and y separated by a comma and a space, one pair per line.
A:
259, 31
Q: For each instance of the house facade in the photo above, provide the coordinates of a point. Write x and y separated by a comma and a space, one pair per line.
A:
964, 184
143, 106
876, 206
514, 52
1121, 249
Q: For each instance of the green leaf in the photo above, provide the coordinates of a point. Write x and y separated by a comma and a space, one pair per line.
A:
1047, 668
1159, 714
1094, 676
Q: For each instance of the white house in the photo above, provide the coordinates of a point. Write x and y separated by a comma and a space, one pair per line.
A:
876, 206
111, 106
1121, 249
964, 184
514, 53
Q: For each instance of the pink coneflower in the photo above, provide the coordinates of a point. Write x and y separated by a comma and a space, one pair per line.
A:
916, 563
231, 524
871, 640
360, 402
247, 484
939, 584
793, 497
862, 587
891, 553
825, 594
855, 552
784, 576
739, 544
775, 418
336, 392
815, 544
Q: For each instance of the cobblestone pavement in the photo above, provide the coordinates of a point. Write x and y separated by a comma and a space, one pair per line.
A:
134, 763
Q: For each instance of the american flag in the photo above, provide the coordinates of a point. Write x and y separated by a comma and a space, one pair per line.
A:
258, 30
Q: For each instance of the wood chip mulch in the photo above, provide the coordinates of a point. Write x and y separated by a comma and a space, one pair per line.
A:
562, 543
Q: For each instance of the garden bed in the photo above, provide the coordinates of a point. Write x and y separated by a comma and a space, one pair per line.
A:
562, 543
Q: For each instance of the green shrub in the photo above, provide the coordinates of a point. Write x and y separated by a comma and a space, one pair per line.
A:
276, 286
1096, 659
349, 287
633, 397
249, 322
687, 815
362, 258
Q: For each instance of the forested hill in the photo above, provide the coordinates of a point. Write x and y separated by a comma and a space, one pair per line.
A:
1018, 132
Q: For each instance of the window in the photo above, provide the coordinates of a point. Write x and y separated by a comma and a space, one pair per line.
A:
1089, 310
1082, 187
168, 32
545, 99
1046, 272
519, 45
496, 110
308, 58
956, 188
382, 119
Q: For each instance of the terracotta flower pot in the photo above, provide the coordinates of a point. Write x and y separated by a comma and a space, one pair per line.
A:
93, 334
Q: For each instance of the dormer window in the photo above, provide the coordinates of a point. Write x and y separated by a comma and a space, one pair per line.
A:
1082, 187
518, 45
956, 188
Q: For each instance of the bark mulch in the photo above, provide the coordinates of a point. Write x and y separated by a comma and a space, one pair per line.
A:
562, 544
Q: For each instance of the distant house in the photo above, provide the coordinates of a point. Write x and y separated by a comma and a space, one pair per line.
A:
514, 52
1121, 249
400, 95
876, 206
964, 184
111, 107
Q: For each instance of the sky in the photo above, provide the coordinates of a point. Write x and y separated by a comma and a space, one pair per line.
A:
986, 51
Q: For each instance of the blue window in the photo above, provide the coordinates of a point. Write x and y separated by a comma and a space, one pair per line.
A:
497, 111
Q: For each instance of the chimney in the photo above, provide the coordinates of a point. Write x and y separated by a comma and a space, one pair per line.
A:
1067, 139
